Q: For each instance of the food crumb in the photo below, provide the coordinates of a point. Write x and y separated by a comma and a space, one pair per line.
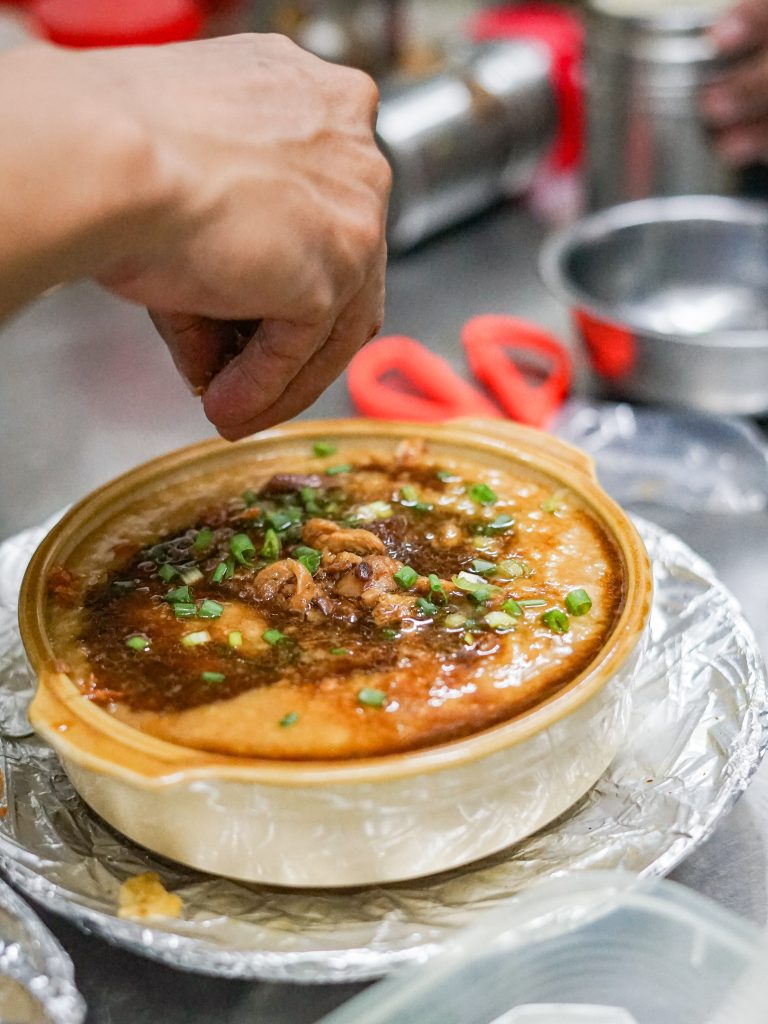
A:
145, 896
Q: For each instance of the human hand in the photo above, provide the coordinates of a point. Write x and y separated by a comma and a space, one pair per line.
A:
275, 214
736, 105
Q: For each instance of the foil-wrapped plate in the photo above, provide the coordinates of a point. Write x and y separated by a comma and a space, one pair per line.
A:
697, 733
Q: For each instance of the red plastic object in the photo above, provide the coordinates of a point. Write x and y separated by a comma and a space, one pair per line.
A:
563, 33
612, 349
491, 343
83, 24
398, 378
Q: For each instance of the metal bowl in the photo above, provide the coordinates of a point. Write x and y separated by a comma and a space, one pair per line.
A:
670, 297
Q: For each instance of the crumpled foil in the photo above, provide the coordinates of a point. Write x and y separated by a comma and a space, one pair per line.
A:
697, 733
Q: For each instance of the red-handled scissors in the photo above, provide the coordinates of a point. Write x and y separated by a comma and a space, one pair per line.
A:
399, 378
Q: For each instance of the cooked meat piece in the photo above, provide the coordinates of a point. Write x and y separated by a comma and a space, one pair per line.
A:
329, 536
410, 452
287, 483
450, 535
392, 608
64, 584
289, 584
338, 564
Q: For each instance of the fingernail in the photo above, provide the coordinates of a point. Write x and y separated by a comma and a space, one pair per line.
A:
719, 107
738, 150
731, 33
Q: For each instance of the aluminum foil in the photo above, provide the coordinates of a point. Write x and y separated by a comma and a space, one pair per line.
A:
697, 733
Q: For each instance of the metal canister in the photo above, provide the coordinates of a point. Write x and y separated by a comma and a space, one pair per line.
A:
461, 139
645, 65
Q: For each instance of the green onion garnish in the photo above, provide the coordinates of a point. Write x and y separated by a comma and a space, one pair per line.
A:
193, 575
339, 650
482, 494
250, 498
287, 720
223, 571
371, 698
532, 602
446, 476
455, 620
553, 504
167, 572
308, 557
138, 642
408, 495
512, 607
374, 510
511, 569
323, 449
210, 609
423, 506
335, 470
242, 548
184, 609
274, 636
556, 620
390, 634
271, 547
475, 586
309, 500
483, 567
500, 620
203, 540
212, 677
436, 587
406, 577
578, 602
182, 594
283, 518
500, 524
427, 607
202, 636
235, 639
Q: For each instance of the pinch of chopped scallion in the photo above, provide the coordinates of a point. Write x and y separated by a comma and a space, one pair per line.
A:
512, 607
197, 639
499, 620
184, 609
468, 639
426, 607
532, 602
422, 506
322, 449
287, 720
475, 586
223, 571
482, 494
138, 642
180, 594
235, 639
408, 495
250, 498
271, 547
273, 637
406, 577
210, 609
483, 567
436, 587
511, 569
455, 620
336, 470
446, 476
554, 503
284, 518
374, 510
340, 650
556, 620
371, 698
308, 557
578, 602
203, 540
212, 677
500, 524
484, 543
167, 572
309, 500
390, 634
193, 575
242, 548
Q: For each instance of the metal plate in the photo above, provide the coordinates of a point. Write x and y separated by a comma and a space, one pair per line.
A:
697, 733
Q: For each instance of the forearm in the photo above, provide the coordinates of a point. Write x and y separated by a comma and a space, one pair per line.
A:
81, 186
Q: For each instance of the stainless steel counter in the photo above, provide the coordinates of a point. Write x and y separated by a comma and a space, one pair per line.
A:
86, 391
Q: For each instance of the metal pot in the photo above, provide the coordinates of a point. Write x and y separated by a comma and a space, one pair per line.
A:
670, 297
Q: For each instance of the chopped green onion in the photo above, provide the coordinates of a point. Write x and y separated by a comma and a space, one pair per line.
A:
390, 634
483, 567
500, 524
212, 677
446, 476
455, 620
408, 495
553, 504
482, 494
223, 571
532, 602
323, 449
250, 498
210, 609
374, 510
405, 577
235, 639
242, 548
423, 506
468, 639
167, 572
182, 594
371, 698
556, 620
436, 588
193, 575
484, 543
138, 642
274, 636
512, 607
309, 500
287, 720
283, 518
184, 609
339, 650
203, 540
426, 607
271, 547
202, 636
511, 569
309, 558
578, 602
335, 470
500, 620
475, 586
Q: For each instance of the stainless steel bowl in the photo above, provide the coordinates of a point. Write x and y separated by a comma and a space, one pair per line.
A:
670, 297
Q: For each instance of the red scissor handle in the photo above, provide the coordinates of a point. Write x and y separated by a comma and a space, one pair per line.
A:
398, 378
490, 343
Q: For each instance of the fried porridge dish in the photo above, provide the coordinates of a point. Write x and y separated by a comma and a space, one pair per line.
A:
345, 603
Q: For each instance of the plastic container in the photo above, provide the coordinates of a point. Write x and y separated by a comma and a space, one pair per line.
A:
597, 948
115, 23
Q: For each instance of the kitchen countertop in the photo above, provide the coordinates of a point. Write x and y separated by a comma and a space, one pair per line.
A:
87, 391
